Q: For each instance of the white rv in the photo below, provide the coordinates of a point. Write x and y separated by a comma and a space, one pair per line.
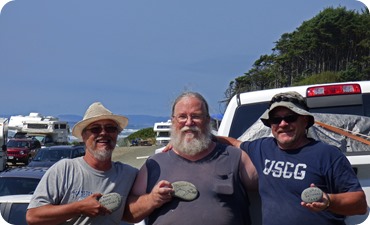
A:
162, 132
47, 129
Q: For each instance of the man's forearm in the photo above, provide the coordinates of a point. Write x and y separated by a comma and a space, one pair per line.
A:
138, 208
229, 141
348, 203
51, 214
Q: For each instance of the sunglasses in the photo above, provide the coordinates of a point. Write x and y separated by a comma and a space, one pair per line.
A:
98, 130
287, 119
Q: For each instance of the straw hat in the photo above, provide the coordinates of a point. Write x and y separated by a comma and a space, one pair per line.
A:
95, 112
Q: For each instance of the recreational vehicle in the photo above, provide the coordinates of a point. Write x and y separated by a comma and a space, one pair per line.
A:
47, 129
162, 132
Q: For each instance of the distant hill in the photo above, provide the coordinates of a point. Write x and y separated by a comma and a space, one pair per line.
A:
135, 122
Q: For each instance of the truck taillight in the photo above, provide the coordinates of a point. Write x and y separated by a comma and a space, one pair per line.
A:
342, 89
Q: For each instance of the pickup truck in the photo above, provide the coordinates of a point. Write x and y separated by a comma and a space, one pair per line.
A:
342, 111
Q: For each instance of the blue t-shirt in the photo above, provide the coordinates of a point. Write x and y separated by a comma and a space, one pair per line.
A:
283, 175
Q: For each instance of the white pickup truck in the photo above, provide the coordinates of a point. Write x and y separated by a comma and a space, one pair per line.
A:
343, 107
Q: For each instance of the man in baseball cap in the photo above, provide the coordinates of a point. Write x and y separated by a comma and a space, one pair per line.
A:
290, 162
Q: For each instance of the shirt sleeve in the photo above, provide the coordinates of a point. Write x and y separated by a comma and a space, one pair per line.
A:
46, 191
342, 177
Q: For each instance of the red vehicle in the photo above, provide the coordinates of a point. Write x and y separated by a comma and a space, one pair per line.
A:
22, 150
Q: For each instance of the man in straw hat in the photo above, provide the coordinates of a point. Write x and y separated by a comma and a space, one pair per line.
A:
290, 162
199, 182
72, 190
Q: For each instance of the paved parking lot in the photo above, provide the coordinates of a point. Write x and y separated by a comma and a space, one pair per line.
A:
134, 156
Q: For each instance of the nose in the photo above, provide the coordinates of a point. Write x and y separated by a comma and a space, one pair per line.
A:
283, 123
189, 121
103, 131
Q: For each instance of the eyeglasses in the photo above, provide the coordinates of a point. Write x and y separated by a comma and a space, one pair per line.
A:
288, 119
182, 118
99, 129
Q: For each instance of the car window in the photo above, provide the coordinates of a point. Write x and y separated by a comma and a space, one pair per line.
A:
17, 185
18, 144
64, 154
39, 155
245, 116
75, 153
82, 151
79, 151
51, 155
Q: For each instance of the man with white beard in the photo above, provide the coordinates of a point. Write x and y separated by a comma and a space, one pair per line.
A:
199, 181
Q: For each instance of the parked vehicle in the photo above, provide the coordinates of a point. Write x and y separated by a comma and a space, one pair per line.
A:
13, 208
162, 132
3, 141
20, 180
22, 150
46, 157
342, 113
48, 130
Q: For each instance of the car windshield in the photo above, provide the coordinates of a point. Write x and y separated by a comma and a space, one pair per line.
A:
17, 144
17, 185
47, 155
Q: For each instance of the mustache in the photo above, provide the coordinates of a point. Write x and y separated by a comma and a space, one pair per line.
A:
187, 128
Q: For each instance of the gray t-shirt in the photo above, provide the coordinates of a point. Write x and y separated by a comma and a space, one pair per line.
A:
71, 180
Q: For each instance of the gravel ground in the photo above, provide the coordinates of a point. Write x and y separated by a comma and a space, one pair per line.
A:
134, 156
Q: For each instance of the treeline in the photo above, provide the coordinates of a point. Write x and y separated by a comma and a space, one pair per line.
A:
333, 46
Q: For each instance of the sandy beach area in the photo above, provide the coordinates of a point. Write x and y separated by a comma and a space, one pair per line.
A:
134, 156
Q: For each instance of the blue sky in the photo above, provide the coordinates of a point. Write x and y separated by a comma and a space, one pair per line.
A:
136, 56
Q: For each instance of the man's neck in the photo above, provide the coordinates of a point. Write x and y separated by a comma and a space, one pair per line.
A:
97, 164
304, 141
198, 156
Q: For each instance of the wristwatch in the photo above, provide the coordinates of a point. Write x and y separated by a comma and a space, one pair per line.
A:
327, 202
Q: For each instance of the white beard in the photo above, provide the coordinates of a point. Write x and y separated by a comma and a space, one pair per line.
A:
186, 142
101, 155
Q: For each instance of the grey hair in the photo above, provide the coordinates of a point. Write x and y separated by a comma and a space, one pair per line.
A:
191, 94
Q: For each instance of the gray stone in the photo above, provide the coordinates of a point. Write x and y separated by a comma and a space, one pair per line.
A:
184, 190
111, 201
311, 194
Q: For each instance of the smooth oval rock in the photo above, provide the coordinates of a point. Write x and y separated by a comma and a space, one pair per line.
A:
111, 201
184, 190
311, 194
